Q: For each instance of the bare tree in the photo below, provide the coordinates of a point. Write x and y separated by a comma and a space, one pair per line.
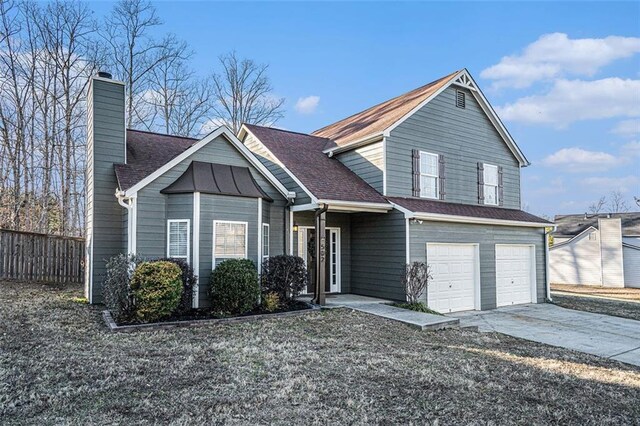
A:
617, 203
243, 94
595, 208
415, 280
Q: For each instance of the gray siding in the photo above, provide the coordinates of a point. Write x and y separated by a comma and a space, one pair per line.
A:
180, 206
378, 254
269, 162
105, 147
367, 162
487, 237
334, 220
221, 207
464, 137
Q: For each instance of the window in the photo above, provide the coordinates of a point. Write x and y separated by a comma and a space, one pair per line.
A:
178, 238
491, 184
593, 236
265, 240
460, 99
428, 175
229, 239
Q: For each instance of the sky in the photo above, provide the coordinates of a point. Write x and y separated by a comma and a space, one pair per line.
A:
563, 76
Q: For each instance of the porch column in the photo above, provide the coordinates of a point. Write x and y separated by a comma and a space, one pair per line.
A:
321, 255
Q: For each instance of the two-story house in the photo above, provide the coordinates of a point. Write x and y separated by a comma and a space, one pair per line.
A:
431, 175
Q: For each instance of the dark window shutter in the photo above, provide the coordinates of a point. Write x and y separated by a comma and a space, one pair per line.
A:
500, 187
415, 161
480, 183
441, 177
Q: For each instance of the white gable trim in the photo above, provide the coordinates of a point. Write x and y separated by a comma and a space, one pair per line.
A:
275, 159
220, 131
564, 243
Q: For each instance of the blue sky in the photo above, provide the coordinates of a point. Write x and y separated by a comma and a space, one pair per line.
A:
564, 77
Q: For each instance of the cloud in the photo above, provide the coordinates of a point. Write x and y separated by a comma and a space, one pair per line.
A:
628, 128
575, 100
630, 150
580, 160
307, 105
606, 184
556, 55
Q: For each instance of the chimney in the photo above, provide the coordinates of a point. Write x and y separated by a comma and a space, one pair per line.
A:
106, 145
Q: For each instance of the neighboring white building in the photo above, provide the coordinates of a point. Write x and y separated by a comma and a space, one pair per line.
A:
600, 250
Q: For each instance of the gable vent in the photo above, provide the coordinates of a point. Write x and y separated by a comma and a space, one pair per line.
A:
460, 99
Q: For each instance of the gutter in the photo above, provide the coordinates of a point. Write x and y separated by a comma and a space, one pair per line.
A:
129, 203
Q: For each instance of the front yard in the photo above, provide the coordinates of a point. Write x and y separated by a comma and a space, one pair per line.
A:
617, 308
59, 364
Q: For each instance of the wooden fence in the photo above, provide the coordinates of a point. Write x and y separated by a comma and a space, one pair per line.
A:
27, 256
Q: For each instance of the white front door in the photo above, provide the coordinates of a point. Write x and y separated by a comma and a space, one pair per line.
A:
455, 283
515, 274
306, 250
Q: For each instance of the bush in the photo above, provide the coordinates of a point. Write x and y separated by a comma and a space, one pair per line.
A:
234, 287
157, 289
418, 307
284, 275
415, 280
188, 281
271, 302
116, 288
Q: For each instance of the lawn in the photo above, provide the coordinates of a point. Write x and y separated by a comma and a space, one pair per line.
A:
60, 365
614, 293
618, 308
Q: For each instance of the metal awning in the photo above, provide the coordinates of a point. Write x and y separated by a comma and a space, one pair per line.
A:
214, 178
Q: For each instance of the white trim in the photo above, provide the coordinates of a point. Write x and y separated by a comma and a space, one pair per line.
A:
533, 289
220, 131
196, 249
344, 206
259, 265
407, 242
477, 283
188, 221
290, 231
268, 227
546, 265
133, 225
303, 236
437, 175
563, 243
384, 166
246, 241
367, 140
497, 185
276, 160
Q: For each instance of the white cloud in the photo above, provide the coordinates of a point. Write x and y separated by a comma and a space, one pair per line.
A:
627, 128
607, 184
580, 160
307, 105
576, 100
556, 55
631, 150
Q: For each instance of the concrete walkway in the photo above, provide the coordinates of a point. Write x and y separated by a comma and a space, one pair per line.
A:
596, 334
381, 308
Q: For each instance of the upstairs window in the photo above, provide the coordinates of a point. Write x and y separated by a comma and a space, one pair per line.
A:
265, 240
178, 238
461, 99
429, 175
229, 239
491, 184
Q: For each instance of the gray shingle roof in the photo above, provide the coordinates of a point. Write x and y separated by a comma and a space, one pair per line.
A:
573, 224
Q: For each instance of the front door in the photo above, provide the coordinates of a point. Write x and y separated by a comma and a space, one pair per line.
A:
307, 250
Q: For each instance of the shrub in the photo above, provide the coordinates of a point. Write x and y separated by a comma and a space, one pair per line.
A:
188, 281
415, 280
271, 302
284, 275
116, 288
234, 287
156, 288
418, 307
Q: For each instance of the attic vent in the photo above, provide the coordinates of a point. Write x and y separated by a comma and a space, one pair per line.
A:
460, 99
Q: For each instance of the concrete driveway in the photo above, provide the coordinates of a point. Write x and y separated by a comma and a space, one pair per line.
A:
597, 334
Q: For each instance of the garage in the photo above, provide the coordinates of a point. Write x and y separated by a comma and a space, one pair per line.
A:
515, 274
455, 285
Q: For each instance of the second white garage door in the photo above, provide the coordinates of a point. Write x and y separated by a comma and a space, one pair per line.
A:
515, 274
454, 270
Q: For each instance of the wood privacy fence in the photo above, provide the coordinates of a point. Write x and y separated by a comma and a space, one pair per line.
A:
28, 256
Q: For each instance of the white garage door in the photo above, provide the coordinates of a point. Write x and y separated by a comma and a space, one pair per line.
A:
515, 275
453, 267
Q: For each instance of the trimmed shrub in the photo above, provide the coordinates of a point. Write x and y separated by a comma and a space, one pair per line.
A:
157, 289
271, 302
188, 281
234, 287
116, 287
284, 275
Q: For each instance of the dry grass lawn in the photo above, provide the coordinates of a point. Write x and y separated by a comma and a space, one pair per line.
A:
60, 365
614, 293
617, 308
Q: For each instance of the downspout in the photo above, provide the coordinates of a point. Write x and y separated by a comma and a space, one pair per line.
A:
547, 232
127, 203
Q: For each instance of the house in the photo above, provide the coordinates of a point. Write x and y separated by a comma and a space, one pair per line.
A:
600, 249
431, 175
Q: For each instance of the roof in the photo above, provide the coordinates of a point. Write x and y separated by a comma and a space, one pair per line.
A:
419, 205
214, 178
146, 152
326, 178
574, 224
378, 118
